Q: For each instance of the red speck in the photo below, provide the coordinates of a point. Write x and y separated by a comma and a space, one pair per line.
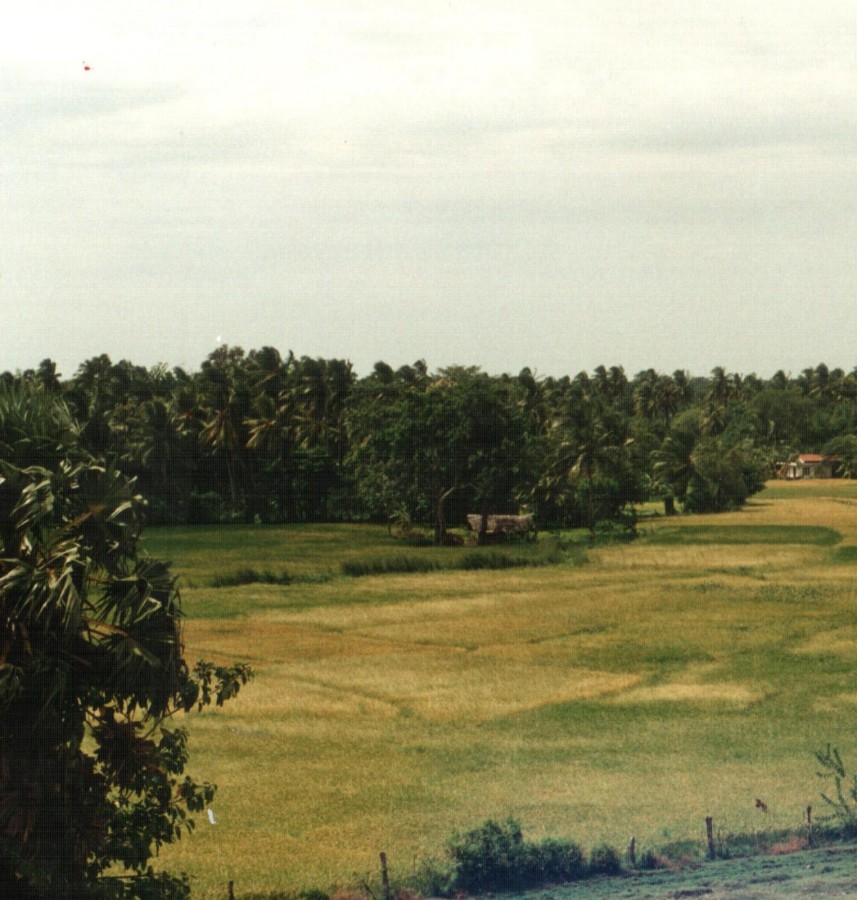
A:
86, 68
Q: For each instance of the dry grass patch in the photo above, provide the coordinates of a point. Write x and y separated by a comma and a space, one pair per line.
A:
673, 561
458, 686
273, 642
840, 642
280, 695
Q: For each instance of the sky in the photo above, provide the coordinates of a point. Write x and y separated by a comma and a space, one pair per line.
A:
557, 184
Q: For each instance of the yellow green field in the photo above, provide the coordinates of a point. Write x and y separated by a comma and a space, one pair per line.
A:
680, 676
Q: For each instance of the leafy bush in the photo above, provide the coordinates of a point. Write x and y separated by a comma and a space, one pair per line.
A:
492, 857
507, 561
249, 575
604, 860
554, 860
206, 508
495, 857
650, 861
385, 565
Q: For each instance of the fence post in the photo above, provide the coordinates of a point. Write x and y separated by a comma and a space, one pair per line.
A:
709, 833
385, 877
231, 890
809, 827
632, 852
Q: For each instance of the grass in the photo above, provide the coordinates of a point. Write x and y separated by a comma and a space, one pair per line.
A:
667, 680
839, 489
230, 555
746, 534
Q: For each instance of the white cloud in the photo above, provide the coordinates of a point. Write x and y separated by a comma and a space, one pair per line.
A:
295, 162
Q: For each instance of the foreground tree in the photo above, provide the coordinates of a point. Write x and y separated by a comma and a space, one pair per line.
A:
91, 673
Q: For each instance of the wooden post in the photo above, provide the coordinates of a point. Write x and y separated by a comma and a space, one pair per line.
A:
632, 852
385, 877
709, 833
809, 827
231, 890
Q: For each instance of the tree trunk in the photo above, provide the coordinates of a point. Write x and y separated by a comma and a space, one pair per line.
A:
439, 524
439, 518
590, 504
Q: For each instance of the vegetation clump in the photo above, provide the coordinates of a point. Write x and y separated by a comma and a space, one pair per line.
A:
403, 564
387, 565
92, 674
499, 560
495, 856
842, 799
249, 575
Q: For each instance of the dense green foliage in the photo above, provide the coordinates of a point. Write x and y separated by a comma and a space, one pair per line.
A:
258, 437
91, 671
496, 857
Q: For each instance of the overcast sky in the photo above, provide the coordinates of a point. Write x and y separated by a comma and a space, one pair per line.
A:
556, 184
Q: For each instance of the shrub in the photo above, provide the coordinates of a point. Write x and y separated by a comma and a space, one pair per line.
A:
434, 878
491, 857
497, 560
495, 857
386, 565
554, 860
206, 508
249, 575
650, 861
604, 860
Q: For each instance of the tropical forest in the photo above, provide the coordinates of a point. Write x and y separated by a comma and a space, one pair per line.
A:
259, 436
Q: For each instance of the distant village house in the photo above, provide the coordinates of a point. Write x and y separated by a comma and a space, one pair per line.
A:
808, 465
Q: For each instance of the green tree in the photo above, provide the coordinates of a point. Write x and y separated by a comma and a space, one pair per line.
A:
91, 673
844, 449
227, 394
673, 463
726, 472
589, 460
708, 472
417, 441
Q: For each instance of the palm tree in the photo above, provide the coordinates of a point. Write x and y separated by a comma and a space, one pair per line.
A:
674, 464
723, 388
318, 395
158, 440
645, 393
267, 372
588, 440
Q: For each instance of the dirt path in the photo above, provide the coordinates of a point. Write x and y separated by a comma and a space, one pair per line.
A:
825, 873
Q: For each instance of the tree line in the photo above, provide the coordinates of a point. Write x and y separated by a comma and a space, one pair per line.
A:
258, 436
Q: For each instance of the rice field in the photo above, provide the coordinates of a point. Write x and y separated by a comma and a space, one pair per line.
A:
680, 676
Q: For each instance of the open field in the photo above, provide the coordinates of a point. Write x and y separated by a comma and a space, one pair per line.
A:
680, 676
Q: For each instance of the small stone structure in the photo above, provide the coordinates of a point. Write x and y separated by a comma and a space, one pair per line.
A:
500, 527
